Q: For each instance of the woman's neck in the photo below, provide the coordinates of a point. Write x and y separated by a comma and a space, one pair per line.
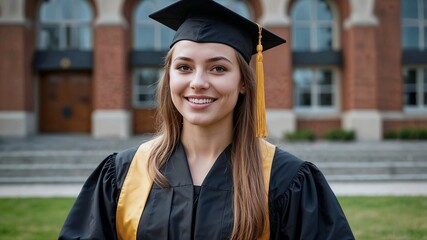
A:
201, 141
203, 146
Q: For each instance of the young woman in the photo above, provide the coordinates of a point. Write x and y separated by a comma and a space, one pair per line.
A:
207, 175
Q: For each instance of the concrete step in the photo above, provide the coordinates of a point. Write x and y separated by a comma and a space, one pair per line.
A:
72, 159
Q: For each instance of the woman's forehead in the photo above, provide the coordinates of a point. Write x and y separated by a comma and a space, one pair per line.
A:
197, 50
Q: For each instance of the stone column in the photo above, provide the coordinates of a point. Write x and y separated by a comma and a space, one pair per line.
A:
361, 72
111, 116
278, 70
17, 116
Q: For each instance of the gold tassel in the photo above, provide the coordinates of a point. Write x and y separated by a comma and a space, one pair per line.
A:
260, 101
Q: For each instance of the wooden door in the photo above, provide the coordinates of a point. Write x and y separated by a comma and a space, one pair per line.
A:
65, 102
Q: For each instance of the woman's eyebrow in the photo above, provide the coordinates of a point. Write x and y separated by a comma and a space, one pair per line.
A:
214, 59
183, 59
219, 58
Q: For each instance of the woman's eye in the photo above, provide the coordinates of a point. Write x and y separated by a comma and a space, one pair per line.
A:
183, 68
218, 69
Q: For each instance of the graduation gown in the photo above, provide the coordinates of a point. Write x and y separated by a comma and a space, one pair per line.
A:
300, 201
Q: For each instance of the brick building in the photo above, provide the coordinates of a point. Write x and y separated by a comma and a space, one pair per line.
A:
90, 66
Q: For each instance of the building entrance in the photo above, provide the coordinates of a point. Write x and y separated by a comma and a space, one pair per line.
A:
65, 102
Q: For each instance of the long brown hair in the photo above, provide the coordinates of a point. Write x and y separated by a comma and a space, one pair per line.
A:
249, 197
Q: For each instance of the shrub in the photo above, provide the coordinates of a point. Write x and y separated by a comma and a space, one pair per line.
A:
407, 134
340, 135
391, 135
300, 135
413, 133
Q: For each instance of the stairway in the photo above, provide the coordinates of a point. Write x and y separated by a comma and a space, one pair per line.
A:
71, 159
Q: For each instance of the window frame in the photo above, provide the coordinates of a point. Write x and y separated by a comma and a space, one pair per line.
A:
314, 24
62, 25
420, 71
420, 23
138, 89
315, 107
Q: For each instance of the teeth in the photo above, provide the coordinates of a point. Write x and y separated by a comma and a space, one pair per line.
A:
200, 100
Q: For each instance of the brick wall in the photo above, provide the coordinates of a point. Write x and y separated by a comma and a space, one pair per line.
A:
407, 123
278, 73
112, 88
388, 35
319, 127
16, 83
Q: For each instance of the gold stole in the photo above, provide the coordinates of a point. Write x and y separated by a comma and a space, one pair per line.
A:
137, 187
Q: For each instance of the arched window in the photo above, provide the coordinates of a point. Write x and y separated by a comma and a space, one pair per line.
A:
65, 25
312, 25
313, 28
414, 24
151, 36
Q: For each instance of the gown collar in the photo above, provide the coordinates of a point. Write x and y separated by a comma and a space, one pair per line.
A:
219, 176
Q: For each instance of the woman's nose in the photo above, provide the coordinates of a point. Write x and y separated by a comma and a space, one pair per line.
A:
199, 81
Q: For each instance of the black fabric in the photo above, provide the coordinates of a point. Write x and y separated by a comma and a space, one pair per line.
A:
208, 21
301, 203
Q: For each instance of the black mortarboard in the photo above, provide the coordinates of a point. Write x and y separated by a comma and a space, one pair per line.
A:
209, 21
206, 21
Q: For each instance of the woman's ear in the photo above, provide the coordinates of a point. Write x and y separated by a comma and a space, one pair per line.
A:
242, 88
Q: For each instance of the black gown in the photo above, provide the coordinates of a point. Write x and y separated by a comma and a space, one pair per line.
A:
301, 203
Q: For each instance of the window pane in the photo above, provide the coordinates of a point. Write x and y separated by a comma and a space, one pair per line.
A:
84, 12
409, 9
49, 38
166, 36
145, 86
410, 37
67, 9
84, 37
410, 87
48, 12
425, 87
301, 38
302, 86
145, 38
301, 11
324, 38
425, 37
323, 11
325, 99
324, 78
425, 9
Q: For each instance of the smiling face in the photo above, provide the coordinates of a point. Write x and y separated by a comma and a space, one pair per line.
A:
205, 83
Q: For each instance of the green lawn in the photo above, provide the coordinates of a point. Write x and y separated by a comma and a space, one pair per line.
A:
370, 217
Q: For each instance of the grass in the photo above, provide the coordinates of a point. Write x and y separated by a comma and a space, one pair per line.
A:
32, 218
386, 218
379, 218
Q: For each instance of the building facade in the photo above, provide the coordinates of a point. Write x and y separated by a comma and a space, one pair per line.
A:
90, 66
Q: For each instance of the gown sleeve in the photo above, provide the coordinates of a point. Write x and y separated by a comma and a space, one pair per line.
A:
93, 214
305, 207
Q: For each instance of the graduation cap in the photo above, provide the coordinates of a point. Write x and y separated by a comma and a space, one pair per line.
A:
206, 21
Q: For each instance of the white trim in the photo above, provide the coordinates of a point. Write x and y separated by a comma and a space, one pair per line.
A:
361, 14
403, 115
280, 122
17, 123
13, 12
111, 124
110, 13
275, 13
367, 124
421, 107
